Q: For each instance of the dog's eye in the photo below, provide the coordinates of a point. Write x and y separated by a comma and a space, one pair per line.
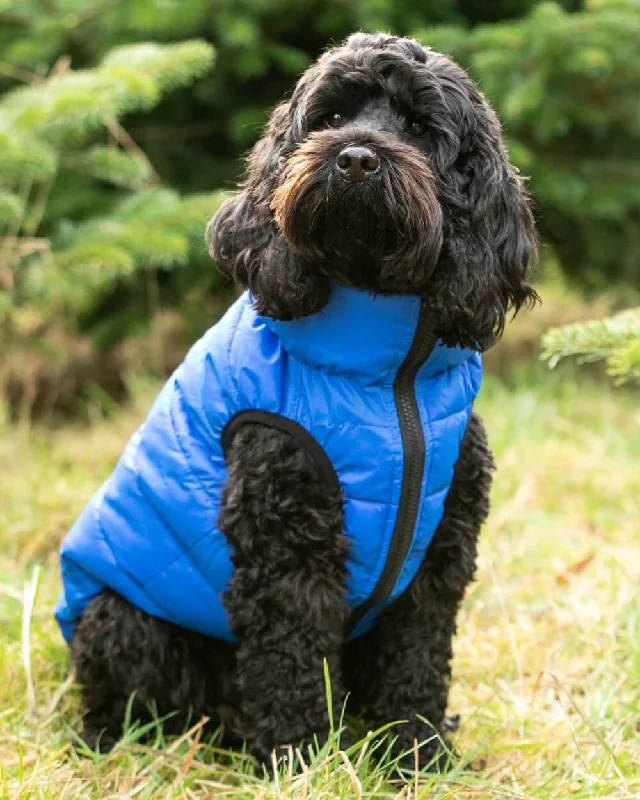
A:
334, 120
418, 128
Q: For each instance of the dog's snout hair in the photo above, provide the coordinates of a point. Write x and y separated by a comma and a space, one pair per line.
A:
438, 210
393, 216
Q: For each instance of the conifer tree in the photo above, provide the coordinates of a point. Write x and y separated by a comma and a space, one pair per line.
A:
567, 90
82, 209
111, 149
615, 339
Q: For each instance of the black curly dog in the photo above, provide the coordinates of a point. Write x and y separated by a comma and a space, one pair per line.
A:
441, 214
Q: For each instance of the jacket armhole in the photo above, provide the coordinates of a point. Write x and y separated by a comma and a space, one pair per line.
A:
294, 429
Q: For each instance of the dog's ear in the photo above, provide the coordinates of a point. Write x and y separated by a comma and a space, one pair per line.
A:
245, 243
489, 236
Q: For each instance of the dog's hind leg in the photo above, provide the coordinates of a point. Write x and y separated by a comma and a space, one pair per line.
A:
286, 599
127, 661
401, 669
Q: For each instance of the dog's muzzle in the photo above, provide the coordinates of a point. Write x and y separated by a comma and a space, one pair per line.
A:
357, 163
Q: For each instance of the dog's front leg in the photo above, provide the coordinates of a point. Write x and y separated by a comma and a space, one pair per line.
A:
401, 670
286, 598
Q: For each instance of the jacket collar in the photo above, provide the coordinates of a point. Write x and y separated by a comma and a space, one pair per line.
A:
362, 334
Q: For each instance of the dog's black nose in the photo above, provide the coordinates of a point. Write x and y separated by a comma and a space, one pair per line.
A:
357, 163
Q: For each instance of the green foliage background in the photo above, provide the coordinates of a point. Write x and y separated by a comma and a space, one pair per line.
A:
122, 120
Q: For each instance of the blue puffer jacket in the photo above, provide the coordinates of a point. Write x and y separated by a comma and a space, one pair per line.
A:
362, 379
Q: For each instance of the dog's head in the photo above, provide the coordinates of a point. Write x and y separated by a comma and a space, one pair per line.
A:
385, 171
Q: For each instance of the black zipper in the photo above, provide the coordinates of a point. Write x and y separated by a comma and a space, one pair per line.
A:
414, 454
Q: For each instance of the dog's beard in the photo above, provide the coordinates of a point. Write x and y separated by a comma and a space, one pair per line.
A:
383, 233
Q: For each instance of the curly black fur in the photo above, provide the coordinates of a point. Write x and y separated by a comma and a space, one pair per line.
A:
119, 651
445, 216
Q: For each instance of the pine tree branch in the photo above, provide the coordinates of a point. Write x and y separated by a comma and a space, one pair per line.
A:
10, 255
18, 74
70, 105
128, 143
27, 245
615, 339
62, 65
34, 217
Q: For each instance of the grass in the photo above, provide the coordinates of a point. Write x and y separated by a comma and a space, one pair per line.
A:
547, 661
